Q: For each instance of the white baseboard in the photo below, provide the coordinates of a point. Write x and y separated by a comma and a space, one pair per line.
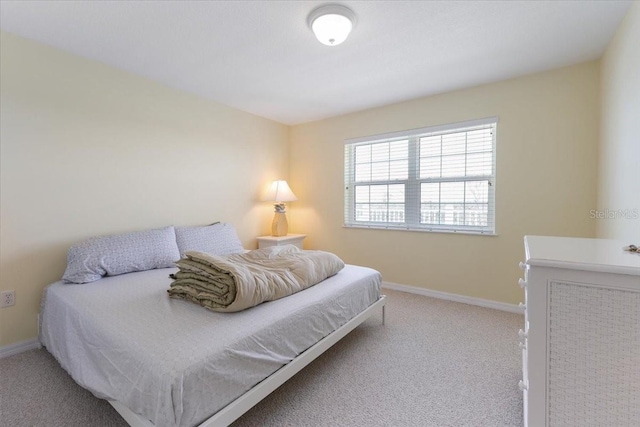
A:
19, 347
496, 305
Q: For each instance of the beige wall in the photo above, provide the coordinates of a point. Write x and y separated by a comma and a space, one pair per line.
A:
89, 150
546, 181
619, 178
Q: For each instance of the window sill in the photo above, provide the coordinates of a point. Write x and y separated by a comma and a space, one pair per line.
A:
423, 230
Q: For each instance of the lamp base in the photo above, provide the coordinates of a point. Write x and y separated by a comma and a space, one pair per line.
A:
279, 226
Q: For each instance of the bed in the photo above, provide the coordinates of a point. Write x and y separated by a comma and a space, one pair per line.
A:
168, 362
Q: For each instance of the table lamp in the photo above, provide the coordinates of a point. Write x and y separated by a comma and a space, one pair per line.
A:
279, 192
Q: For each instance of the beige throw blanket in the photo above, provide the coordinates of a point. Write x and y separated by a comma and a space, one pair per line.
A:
239, 281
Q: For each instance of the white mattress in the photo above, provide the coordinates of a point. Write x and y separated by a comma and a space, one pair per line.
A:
176, 363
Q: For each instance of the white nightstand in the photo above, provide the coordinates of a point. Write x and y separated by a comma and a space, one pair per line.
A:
289, 239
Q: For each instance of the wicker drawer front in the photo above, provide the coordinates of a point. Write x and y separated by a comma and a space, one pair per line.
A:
594, 356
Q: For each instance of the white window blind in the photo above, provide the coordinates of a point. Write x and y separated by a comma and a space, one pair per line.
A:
439, 178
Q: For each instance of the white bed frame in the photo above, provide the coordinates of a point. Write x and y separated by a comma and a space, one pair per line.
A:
242, 404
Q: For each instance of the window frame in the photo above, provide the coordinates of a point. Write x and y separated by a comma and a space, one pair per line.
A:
412, 209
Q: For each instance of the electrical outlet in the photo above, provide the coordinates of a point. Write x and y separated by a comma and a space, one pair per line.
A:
7, 298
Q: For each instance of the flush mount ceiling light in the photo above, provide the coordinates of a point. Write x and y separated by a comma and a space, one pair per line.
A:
332, 23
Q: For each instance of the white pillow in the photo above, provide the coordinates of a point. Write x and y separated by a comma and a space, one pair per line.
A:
96, 257
216, 239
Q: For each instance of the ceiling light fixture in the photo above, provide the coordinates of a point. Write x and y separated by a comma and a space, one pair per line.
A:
332, 23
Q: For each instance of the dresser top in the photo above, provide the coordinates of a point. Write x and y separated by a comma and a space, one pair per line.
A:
601, 255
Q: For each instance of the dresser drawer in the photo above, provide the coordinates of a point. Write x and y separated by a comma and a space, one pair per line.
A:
582, 322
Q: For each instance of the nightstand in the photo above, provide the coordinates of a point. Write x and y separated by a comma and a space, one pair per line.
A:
289, 239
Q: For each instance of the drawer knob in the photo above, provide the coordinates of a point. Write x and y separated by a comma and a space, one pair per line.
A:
522, 334
522, 385
522, 283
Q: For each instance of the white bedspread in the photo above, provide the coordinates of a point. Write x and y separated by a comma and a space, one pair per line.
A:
176, 363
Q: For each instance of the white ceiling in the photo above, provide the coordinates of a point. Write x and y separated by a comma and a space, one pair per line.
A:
260, 56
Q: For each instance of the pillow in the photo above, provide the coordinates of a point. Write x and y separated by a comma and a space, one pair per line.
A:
216, 239
96, 257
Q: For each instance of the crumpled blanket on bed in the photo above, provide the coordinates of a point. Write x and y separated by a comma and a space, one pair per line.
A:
239, 281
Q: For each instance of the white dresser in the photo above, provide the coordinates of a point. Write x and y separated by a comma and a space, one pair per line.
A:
581, 340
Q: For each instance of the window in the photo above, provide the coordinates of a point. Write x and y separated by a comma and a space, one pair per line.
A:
440, 178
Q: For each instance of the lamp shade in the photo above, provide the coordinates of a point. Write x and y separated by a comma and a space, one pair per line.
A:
332, 23
280, 192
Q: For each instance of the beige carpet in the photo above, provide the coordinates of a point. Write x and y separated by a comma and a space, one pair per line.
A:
435, 363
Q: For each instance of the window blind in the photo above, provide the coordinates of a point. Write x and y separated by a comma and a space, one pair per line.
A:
439, 178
